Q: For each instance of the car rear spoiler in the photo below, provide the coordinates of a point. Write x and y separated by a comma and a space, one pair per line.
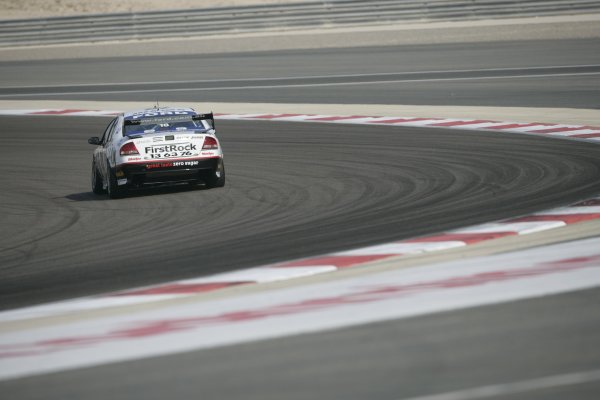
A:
210, 117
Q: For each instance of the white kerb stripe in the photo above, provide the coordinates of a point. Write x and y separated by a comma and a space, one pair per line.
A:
302, 117
402, 248
379, 120
482, 125
421, 123
364, 120
520, 228
526, 129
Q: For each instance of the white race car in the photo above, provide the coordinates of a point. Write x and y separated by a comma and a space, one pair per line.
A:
157, 146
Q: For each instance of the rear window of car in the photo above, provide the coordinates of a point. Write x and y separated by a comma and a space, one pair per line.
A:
176, 123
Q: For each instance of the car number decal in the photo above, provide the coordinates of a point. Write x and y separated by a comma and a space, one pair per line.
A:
171, 150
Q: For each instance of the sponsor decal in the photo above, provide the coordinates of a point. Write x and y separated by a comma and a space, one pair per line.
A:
159, 165
171, 150
161, 113
185, 163
172, 164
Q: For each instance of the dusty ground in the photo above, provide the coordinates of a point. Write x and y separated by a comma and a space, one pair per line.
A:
13, 9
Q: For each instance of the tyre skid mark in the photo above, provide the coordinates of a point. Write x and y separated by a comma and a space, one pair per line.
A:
550, 219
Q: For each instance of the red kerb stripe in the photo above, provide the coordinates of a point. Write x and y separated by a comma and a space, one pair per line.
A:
468, 238
57, 112
459, 123
553, 130
511, 126
401, 120
273, 116
338, 261
337, 118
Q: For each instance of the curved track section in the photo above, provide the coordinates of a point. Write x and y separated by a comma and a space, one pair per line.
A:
293, 190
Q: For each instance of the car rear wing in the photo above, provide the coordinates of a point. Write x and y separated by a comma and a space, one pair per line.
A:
208, 117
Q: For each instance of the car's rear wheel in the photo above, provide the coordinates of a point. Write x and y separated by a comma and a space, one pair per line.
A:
216, 177
97, 184
114, 191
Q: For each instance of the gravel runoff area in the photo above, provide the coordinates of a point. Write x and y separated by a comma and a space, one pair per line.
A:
21, 9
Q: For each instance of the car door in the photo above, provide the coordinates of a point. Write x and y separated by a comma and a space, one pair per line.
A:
100, 153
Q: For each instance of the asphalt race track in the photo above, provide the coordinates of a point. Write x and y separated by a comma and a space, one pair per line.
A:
295, 190
544, 73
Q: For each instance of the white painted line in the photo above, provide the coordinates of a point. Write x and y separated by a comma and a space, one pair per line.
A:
567, 133
505, 389
577, 132
402, 248
261, 274
571, 210
81, 304
297, 77
291, 86
520, 228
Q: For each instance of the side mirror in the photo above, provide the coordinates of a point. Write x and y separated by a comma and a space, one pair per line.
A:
94, 140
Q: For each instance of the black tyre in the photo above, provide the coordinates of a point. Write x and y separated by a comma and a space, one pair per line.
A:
97, 184
216, 177
114, 191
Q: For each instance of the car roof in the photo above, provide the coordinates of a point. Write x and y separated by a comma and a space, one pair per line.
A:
157, 112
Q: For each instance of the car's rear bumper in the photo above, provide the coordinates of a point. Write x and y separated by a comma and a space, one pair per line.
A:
141, 174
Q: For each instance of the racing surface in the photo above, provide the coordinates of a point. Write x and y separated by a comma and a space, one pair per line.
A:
544, 73
295, 190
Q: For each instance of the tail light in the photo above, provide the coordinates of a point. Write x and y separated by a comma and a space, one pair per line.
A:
210, 143
129, 149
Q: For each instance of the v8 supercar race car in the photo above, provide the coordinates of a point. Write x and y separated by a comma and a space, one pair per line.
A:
155, 147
